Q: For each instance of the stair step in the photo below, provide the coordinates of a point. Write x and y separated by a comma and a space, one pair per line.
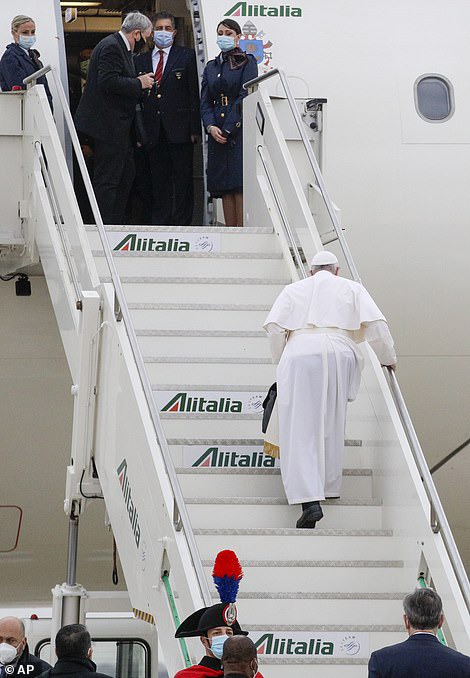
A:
196, 320
212, 371
217, 425
349, 516
352, 579
278, 501
296, 546
139, 289
192, 264
230, 230
302, 611
200, 343
199, 238
230, 483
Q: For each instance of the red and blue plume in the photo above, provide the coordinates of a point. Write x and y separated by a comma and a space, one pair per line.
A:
227, 574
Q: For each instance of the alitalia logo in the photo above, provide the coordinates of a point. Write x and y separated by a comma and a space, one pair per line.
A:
182, 402
268, 643
132, 243
127, 494
213, 457
247, 9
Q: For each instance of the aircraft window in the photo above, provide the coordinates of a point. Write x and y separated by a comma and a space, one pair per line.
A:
434, 98
117, 658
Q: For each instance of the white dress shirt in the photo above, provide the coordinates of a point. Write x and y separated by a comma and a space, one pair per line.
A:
156, 57
126, 41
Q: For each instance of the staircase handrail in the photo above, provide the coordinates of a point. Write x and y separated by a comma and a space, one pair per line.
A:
438, 519
181, 517
251, 84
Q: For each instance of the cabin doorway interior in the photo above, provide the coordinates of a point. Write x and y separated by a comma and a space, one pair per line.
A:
94, 21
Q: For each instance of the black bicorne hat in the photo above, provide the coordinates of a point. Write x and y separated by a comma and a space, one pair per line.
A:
201, 621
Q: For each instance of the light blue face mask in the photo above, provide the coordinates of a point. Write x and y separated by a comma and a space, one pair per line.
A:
163, 39
217, 645
225, 43
27, 41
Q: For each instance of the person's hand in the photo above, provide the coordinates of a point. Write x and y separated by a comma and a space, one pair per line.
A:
195, 138
392, 367
146, 80
216, 134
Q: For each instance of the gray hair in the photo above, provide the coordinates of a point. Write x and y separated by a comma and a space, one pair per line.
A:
18, 20
135, 21
332, 268
423, 608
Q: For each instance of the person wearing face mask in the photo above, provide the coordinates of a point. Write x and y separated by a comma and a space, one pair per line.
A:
239, 658
20, 59
15, 658
215, 624
222, 97
74, 654
172, 123
107, 110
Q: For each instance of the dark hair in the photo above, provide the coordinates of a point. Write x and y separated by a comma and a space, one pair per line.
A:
230, 23
72, 640
238, 650
163, 15
423, 608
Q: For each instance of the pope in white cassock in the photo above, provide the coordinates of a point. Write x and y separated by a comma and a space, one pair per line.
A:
314, 326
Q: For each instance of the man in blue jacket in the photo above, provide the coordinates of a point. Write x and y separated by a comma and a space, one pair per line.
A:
422, 655
172, 123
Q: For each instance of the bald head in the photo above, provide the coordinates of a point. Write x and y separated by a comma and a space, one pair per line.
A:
12, 632
239, 656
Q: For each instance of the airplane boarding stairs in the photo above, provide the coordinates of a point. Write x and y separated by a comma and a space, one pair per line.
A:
197, 317
315, 601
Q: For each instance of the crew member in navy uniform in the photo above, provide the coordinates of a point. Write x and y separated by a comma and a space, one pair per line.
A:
106, 113
20, 59
171, 122
222, 97
15, 658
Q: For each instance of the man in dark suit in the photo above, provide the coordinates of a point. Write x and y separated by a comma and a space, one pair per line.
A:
107, 110
172, 123
422, 655
239, 658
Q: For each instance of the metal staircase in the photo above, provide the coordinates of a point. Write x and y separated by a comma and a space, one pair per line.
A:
170, 368
341, 583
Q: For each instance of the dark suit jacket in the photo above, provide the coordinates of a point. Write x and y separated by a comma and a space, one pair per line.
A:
107, 108
175, 104
16, 64
421, 656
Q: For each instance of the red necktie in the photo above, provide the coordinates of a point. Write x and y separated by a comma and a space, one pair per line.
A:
159, 71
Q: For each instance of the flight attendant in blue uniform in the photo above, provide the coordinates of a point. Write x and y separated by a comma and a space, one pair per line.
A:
222, 97
20, 59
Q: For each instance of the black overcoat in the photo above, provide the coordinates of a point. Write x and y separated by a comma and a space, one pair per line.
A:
107, 108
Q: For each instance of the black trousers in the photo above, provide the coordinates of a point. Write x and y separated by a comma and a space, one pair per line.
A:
113, 175
171, 173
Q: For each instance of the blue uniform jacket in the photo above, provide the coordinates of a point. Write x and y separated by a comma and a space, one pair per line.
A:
15, 65
222, 97
421, 656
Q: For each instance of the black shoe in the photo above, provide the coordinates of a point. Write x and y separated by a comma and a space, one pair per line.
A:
309, 517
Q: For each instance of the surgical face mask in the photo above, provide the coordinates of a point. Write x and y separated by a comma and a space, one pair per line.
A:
27, 41
7, 653
163, 38
217, 645
225, 43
